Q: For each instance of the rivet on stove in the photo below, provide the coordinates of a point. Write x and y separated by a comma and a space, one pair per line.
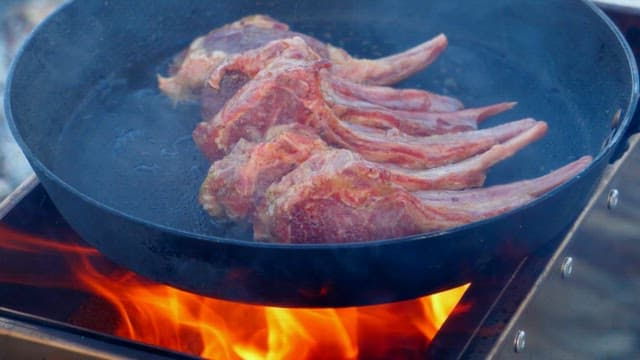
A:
566, 269
613, 198
520, 341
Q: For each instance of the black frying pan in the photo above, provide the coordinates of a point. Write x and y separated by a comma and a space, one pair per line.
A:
117, 158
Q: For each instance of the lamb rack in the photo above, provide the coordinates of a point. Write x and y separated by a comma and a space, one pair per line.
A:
335, 196
191, 67
311, 146
289, 83
237, 182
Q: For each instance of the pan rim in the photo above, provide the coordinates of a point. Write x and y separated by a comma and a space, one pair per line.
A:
37, 163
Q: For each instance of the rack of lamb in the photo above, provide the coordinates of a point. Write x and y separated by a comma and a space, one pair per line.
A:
311, 145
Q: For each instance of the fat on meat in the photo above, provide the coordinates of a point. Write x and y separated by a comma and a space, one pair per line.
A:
235, 183
229, 77
331, 199
192, 66
310, 145
289, 89
238, 181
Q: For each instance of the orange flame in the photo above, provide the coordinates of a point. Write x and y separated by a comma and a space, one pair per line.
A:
165, 316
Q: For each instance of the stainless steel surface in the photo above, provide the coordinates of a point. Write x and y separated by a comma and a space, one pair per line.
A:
28, 337
595, 315
12, 199
21, 341
520, 341
627, 6
566, 269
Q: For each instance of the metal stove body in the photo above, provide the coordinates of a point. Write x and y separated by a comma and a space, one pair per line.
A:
575, 296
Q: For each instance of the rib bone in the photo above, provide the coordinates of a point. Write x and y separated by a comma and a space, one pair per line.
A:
193, 65
327, 199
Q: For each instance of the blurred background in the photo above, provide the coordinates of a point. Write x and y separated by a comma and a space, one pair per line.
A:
17, 19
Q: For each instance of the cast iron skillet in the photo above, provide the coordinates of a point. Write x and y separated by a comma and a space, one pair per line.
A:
117, 159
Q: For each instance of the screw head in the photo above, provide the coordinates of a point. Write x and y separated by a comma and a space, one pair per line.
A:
566, 269
520, 341
613, 198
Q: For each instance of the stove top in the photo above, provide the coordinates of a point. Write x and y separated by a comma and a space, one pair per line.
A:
46, 310
576, 297
533, 299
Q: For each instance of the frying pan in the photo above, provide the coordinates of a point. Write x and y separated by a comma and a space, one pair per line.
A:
117, 158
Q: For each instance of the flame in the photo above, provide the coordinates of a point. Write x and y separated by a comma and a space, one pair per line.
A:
165, 316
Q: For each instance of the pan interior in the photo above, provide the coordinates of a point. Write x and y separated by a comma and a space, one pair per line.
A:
115, 138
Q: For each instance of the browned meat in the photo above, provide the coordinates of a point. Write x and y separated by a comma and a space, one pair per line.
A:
312, 149
239, 180
287, 87
262, 103
192, 67
227, 78
334, 197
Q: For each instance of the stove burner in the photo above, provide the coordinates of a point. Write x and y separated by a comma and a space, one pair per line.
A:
44, 286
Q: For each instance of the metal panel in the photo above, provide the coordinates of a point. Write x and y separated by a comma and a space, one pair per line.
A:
586, 304
626, 6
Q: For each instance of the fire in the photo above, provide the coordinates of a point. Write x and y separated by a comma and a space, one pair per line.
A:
164, 316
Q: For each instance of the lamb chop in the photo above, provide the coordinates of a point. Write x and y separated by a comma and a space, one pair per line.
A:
239, 180
390, 98
288, 87
415, 122
192, 66
394, 103
234, 72
249, 63
418, 152
277, 103
335, 197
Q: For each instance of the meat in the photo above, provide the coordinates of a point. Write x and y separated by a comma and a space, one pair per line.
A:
231, 75
238, 181
419, 152
467, 173
296, 49
414, 122
335, 197
390, 98
288, 84
308, 144
193, 65
235, 71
